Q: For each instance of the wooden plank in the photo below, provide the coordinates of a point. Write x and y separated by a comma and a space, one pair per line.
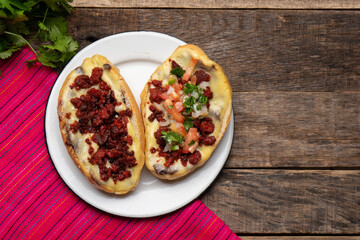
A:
296, 129
300, 237
273, 129
275, 4
88, 25
278, 50
287, 202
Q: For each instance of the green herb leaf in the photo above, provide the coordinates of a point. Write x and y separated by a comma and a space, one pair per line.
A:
189, 88
18, 17
188, 123
3, 14
7, 53
177, 71
202, 99
172, 81
59, 5
174, 148
172, 137
171, 106
17, 4
189, 104
42, 26
192, 143
6, 4
57, 28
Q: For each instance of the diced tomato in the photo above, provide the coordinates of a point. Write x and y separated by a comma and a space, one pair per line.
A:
189, 69
169, 106
193, 80
177, 87
179, 106
175, 96
192, 148
191, 135
165, 96
178, 128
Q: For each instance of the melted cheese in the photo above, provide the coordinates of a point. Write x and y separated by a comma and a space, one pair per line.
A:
78, 140
220, 104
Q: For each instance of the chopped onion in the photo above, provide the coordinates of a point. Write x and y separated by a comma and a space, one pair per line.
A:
193, 147
79, 70
204, 84
195, 95
159, 107
167, 148
170, 90
164, 123
202, 112
118, 108
214, 114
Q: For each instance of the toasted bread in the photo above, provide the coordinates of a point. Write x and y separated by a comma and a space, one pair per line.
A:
186, 108
101, 126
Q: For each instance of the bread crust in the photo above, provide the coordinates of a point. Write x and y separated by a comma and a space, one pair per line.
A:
186, 52
118, 84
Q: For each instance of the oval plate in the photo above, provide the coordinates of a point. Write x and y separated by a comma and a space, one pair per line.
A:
137, 55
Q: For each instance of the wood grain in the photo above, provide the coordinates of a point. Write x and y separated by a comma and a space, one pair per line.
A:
296, 81
277, 123
296, 129
287, 202
277, 4
259, 50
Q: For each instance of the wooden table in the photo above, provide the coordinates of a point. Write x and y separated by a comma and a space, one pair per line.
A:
294, 66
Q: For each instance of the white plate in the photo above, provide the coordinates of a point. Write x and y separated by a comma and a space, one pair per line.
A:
137, 55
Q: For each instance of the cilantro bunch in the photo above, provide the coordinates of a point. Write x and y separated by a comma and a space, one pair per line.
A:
23, 22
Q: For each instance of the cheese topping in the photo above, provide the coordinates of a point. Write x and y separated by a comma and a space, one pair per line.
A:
219, 107
85, 144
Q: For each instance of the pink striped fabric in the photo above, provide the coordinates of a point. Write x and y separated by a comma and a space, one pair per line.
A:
34, 201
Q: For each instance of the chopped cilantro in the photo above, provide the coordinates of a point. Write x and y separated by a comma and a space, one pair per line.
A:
191, 100
189, 88
174, 148
172, 137
202, 99
177, 71
189, 104
188, 123
171, 106
192, 143
172, 81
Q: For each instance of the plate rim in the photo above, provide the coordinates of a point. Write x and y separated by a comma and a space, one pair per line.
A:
230, 128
